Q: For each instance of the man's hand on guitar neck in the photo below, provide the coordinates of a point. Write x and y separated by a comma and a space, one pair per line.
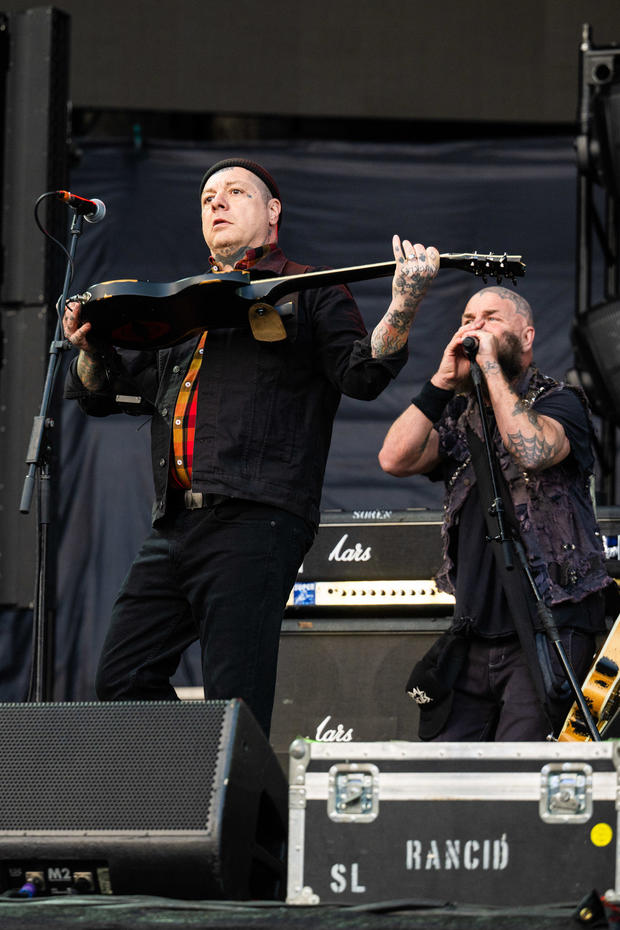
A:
416, 266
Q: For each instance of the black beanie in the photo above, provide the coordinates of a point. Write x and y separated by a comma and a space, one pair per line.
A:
252, 166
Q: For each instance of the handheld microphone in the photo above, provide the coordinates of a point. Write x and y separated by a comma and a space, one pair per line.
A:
93, 211
470, 347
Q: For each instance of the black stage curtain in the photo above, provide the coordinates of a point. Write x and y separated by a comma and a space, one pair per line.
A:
342, 203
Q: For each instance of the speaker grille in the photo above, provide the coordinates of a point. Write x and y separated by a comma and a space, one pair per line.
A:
104, 767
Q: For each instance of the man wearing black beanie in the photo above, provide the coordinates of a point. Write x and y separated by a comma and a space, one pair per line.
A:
240, 437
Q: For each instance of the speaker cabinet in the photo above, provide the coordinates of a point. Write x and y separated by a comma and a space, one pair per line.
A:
345, 681
34, 158
185, 800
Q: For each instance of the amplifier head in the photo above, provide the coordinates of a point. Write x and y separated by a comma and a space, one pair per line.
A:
374, 545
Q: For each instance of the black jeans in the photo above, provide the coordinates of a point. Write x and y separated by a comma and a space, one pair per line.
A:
220, 574
494, 697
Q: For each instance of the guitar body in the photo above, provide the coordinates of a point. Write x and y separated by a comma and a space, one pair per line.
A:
135, 314
601, 689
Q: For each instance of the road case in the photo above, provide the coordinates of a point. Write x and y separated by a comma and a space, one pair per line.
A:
471, 823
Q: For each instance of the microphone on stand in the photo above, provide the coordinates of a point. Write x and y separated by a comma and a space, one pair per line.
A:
93, 211
470, 347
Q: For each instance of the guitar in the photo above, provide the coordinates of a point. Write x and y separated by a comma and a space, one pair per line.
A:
136, 314
601, 689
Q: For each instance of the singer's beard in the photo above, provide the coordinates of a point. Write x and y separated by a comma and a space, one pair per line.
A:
510, 360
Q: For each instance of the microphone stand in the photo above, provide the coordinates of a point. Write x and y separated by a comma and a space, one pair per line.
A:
37, 458
497, 510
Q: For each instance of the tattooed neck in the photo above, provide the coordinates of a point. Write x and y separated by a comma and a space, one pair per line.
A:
229, 259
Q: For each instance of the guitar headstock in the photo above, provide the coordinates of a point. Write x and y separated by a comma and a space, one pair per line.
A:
486, 266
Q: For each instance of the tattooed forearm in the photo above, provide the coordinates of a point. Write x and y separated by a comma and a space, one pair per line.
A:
410, 290
391, 333
385, 341
90, 371
532, 451
490, 367
401, 320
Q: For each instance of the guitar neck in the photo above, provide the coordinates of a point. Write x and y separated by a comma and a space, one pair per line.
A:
497, 266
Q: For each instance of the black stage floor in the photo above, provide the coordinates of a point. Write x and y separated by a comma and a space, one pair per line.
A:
96, 912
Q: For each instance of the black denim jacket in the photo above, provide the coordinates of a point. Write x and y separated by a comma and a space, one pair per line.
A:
265, 410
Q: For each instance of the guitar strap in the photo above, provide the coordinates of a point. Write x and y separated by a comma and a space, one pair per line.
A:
514, 582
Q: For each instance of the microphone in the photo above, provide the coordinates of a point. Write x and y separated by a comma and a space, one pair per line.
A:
470, 347
93, 211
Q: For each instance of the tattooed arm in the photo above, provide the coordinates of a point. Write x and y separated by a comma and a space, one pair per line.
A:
90, 367
533, 440
415, 269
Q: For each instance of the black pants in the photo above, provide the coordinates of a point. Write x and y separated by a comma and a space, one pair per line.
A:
221, 575
494, 697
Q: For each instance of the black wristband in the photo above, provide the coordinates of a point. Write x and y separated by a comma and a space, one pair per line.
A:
432, 400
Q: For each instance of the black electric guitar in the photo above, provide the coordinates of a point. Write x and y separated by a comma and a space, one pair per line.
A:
136, 314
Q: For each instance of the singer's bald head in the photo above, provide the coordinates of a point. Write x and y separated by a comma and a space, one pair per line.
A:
520, 304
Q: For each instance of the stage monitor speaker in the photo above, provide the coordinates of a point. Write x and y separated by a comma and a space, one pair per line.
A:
180, 799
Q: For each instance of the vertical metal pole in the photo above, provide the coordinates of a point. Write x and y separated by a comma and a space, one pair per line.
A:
611, 231
608, 237
584, 183
41, 679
